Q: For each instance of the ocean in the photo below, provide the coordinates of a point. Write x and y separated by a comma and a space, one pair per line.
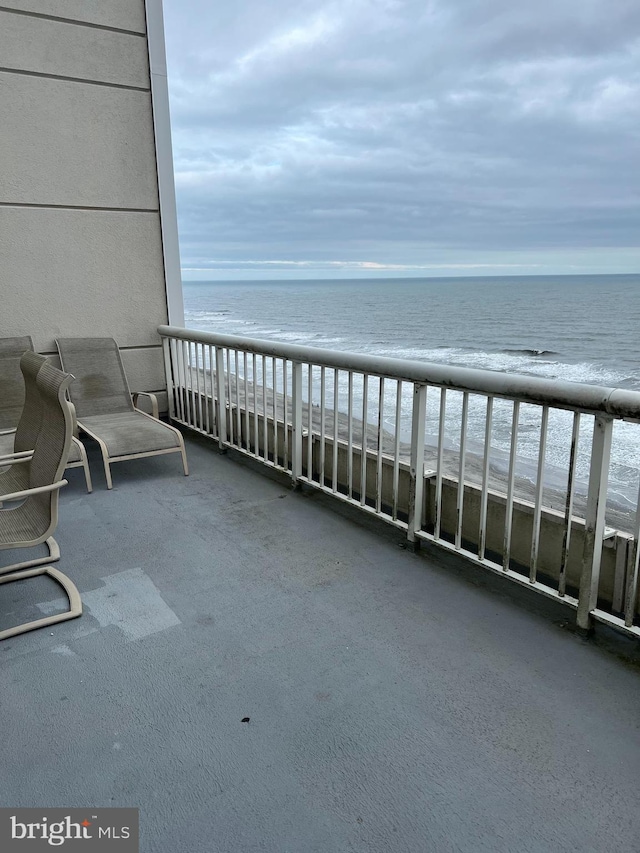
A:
576, 328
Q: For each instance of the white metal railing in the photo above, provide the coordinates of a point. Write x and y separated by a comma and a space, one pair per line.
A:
397, 438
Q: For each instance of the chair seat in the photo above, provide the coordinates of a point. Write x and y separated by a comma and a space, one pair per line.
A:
129, 433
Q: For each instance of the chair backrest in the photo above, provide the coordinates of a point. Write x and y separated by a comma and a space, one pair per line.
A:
11, 384
100, 386
54, 438
40, 512
30, 421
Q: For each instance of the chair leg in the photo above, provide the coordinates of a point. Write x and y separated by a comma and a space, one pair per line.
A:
183, 453
71, 591
52, 557
105, 459
107, 472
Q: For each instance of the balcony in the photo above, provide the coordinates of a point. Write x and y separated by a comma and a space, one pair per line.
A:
470, 474
395, 701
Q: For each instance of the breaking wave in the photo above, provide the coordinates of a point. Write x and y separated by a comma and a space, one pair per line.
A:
536, 353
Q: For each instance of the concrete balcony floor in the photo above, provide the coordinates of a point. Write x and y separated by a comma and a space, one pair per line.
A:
394, 705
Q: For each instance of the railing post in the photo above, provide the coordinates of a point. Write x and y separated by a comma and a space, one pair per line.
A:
296, 421
594, 522
178, 376
169, 377
221, 402
416, 470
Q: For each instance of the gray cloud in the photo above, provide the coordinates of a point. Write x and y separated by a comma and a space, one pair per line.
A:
406, 133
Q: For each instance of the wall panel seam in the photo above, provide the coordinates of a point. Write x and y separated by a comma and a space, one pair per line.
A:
79, 207
66, 79
26, 14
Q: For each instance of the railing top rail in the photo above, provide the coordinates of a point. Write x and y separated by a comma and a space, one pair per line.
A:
617, 402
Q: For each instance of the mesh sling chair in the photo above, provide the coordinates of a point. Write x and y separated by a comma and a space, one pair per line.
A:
29, 516
17, 435
23, 440
105, 406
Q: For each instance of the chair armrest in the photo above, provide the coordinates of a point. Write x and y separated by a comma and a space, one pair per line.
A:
152, 398
27, 493
14, 458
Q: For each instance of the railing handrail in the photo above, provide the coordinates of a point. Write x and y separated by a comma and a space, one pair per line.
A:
616, 402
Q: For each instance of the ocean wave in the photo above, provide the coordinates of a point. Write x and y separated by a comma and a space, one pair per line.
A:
512, 362
537, 353
327, 340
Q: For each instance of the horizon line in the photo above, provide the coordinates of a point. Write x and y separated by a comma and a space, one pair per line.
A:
365, 277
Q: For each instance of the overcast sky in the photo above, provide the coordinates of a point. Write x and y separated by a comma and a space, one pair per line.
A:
393, 137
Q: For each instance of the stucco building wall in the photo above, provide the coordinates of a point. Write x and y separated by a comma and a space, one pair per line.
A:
81, 243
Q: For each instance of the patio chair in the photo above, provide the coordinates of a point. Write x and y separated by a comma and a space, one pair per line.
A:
18, 450
17, 433
28, 517
106, 408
